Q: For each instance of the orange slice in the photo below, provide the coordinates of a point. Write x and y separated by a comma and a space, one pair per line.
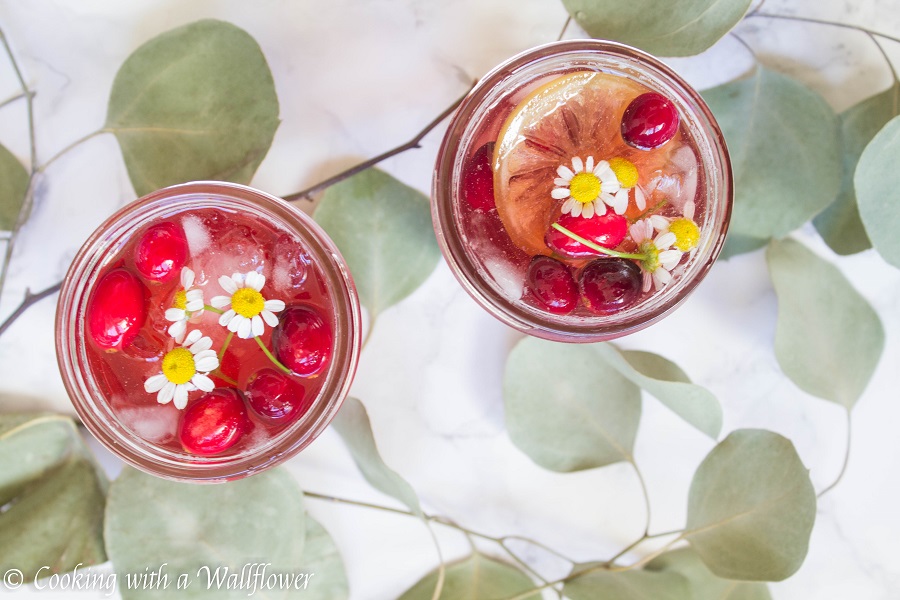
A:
574, 115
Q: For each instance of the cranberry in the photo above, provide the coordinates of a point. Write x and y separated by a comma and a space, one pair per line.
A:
161, 252
116, 310
606, 230
275, 395
214, 423
302, 341
478, 179
551, 284
650, 121
610, 284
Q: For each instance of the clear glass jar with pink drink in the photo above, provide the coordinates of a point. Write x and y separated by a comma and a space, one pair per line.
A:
582, 191
207, 331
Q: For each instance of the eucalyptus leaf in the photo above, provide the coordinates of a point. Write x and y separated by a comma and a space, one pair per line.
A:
703, 584
353, 425
751, 508
626, 585
321, 557
383, 229
673, 28
13, 187
783, 140
197, 102
202, 530
666, 382
567, 408
828, 339
737, 244
52, 496
476, 577
876, 181
840, 224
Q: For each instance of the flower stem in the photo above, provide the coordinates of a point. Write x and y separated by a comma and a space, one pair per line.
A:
213, 309
218, 373
225, 345
596, 247
274, 360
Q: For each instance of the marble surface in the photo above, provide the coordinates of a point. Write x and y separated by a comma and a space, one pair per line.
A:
357, 77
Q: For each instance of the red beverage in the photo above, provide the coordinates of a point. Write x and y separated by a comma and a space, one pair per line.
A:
193, 381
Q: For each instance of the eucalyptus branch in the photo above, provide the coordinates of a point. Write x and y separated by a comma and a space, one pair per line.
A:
12, 99
846, 458
411, 144
824, 22
638, 542
747, 46
565, 26
646, 494
26, 303
74, 144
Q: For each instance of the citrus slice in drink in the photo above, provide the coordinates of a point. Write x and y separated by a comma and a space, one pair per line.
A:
577, 115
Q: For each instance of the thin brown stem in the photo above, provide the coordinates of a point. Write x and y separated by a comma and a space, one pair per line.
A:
846, 458
26, 303
638, 542
411, 144
645, 493
747, 46
12, 99
565, 26
824, 22
74, 144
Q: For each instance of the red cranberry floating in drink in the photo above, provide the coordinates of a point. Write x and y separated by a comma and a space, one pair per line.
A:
610, 284
606, 230
551, 284
117, 310
650, 121
275, 395
214, 423
478, 178
161, 252
302, 341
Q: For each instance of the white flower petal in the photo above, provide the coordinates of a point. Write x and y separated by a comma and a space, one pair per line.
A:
665, 240
659, 222
611, 185
235, 322
166, 393
669, 258
155, 383
220, 301
256, 326
195, 306
689, 209
205, 354
255, 280
238, 279
204, 343
648, 279
567, 205
274, 305
604, 171
577, 164
620, 203
589, 164
269, 317
560, 193
181, 396
192, 337
175, 314
227, 317
203, 383
599, 207
245, 329
565, 172
588, 210
640, 200
228, 284
637, 233
207, 364
661, 278
576, 210
177, 329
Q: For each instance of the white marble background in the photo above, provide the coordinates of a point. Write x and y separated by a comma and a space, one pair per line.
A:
357, 77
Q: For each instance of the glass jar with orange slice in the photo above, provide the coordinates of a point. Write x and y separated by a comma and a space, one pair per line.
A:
582, 191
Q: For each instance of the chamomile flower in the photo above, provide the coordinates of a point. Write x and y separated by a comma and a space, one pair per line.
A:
661, 258
185, 368
588, 188
246, 309
687, 232
627, 174
187, 303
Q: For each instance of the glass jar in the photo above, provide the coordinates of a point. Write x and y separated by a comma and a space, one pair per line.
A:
487, 265
100, 408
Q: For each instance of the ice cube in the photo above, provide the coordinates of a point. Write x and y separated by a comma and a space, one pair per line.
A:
506, 276
197, 234
155, 423
292, 264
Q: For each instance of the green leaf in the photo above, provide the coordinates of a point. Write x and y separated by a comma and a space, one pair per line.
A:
737, 244
876, 181
477, 577
197, 102
152, 521
673, 28
828, 339
52, 496
13, 187
567, 408
383, 229
840, 224
352, 423
703, 585
321, 556
783, 140
751, 508
665, 381
627, 585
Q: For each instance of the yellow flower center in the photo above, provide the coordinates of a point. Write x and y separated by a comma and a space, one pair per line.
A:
180, 300
584, 187
651, 263
687, 234
247, 302
178, 365
625, 171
